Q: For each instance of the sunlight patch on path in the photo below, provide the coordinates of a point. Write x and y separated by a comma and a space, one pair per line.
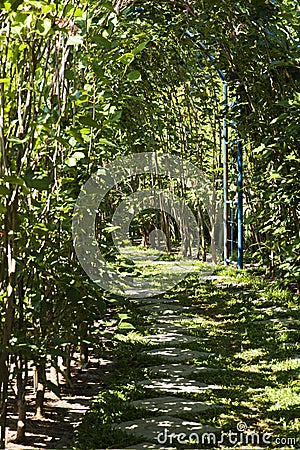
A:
176, 354
177, 386
171, 405
179, 370
151, 427
164, 309
171, 338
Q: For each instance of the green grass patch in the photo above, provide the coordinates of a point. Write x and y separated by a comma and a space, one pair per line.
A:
255, 362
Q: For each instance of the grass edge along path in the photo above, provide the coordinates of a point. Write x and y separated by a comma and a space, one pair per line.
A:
249, 329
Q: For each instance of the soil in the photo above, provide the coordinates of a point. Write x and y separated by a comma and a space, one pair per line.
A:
61, 415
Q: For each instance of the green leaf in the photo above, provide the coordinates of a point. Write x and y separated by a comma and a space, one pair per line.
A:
101, 41
13, 179
69, 74
5, 80
41, 229
127, 58
12, 5
140, 47
135, 75
104, 141
125, 326
76, 136
2, 208
108, 6
123, 316
62, 141
4, 190
37, 180
85, 120
275, 175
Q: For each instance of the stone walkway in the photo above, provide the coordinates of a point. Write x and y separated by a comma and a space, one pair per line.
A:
198, 364
171, 381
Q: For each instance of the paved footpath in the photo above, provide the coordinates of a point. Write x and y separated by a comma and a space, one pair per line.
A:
170, 326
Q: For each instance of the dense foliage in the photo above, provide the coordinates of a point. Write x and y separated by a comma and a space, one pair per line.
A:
81, 84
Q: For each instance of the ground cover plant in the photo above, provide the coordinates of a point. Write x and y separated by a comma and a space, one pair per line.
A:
252, 330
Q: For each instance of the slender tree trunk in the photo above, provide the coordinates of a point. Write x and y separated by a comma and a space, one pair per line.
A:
54, 374
213, 244
9, 314
22, 375
143, 231
21, 398
67, 363
84, 350
40, 390
3, 399
165, 225
201, 224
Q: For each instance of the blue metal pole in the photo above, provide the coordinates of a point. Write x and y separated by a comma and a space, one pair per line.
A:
225, 173
240, 206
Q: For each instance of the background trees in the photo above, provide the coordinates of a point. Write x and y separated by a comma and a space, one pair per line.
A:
80, 85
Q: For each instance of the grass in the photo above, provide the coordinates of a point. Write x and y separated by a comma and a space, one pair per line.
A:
253, 361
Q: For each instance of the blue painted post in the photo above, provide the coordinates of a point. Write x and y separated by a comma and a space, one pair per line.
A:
225, 172
240, 206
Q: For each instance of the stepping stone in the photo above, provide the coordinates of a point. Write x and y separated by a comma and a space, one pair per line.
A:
179, 370
171, 338
171, 405
290, 345
165, 430
148, 445
289, 330
174, 354
163, 308
287, 321
274, 309
175, 319
154, 301
177, 385
179, 328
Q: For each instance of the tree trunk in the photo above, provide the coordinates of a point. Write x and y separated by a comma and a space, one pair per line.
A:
202, 234
165, 225
40, 390
54, 374
143, 231
84, 353
10, 225
67, 362
21, 399
3, 399
84, 350
213, 244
